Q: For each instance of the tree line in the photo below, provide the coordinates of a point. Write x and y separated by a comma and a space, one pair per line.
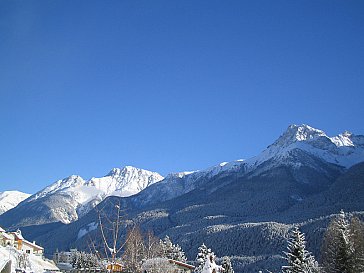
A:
342, 250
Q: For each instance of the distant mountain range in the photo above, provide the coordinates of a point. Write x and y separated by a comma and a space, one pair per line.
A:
243, 209
10, 199
68, 199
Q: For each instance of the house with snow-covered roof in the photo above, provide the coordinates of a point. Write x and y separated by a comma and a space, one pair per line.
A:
164, 265
5, 239
17, 239
20, 243
181, 266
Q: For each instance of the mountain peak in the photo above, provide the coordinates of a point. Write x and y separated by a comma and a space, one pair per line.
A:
295, 133
114, 172
120, 171
345, 149
128, 170
347, 134
10, 199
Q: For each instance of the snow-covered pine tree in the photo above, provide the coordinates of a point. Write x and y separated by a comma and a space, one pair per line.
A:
342, 249
84, 260
166, 245
178, 254
298, 258
210, 266
76, 260
357, 236
172, 251
336, 245
226, 264
201, 257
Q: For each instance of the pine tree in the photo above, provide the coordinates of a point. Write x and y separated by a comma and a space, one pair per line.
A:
357, 236
84, 260
298, 258
172, 251
210, 266
201, 257
342, 248
226, 264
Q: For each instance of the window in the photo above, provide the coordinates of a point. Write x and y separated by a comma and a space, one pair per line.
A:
28, 251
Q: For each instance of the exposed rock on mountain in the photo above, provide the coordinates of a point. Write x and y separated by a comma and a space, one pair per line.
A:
68, 199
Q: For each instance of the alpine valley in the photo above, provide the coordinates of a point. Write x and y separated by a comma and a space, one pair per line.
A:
243, 209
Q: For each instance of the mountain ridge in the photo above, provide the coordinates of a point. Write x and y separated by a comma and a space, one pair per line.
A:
67, 199
300, 179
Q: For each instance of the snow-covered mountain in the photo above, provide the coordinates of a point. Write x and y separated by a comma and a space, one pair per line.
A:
304, 174
299, 146
345, 149
10, 199
118, 182
67, 199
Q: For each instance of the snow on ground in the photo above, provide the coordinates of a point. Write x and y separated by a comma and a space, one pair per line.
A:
83, 231
37, 264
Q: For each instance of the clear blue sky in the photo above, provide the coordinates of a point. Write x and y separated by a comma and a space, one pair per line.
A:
169, 85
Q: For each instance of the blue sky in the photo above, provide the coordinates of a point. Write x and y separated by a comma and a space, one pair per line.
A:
169, 85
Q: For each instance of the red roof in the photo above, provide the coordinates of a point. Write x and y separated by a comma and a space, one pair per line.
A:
181, 264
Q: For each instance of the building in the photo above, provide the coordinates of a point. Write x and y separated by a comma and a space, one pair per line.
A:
166, 265
5, 239
182, 267
32, 248
16, 240
114, 267
64, 256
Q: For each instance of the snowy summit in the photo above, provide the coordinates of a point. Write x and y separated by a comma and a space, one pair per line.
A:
10, 199
82, 195
345, 149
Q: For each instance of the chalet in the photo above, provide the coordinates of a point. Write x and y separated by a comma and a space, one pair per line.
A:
32, 248
5, 239
114, 267
164, 264
17, 238
23, 245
